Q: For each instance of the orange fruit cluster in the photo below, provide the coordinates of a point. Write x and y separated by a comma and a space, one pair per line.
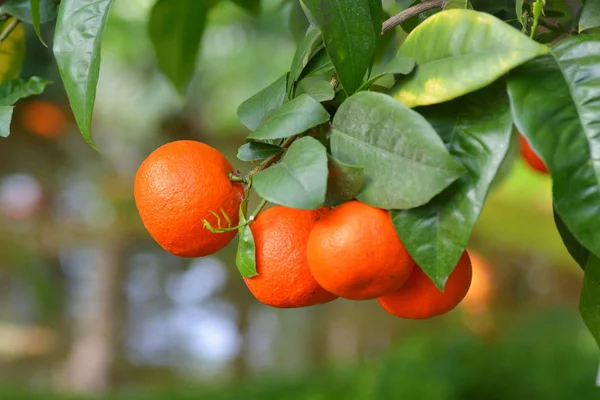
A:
352, 251
303, 257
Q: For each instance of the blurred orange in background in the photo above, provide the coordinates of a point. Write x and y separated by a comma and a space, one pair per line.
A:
43, 119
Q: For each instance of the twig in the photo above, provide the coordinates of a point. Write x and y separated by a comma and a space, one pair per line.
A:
13, 24
411, 12
273, 159
2, 2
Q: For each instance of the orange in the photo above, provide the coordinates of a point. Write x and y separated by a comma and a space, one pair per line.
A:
355, 253
531, 156
43, 118
418, 298
284, 279
177, 187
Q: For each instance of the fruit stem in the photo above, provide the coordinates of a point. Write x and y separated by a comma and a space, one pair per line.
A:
230, 228
235, 178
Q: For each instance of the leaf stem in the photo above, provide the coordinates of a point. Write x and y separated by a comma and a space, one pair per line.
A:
411, 12
11, 26
271, 160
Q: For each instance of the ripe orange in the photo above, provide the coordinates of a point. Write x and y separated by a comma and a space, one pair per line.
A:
284, 279
418, 298
531, 156
177, 187
354, 252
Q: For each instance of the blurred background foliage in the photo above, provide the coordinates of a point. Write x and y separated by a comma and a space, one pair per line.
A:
91, 306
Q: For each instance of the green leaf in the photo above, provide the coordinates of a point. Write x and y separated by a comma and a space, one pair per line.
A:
12, 51
590, 15
77, 40
292, 118
252, 6
519, 11
176, 28
245, 258
405, 160
512, 154
318, 89
477, 130
252, 112
351, 30
320, 64
399, 65
22, 9
298, 22
458, 4
590, 297
470, 51
15, 89
343, 183
308, 47
257, 151
555, 103
5, 118
299, 180
36, 17
579, 253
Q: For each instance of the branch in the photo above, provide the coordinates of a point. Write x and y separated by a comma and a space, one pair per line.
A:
411, 12
2, 2
13, 24
273, 159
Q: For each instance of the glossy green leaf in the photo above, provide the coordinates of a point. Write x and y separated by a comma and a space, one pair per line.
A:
579, 253
399, 65
555, 103
77, 40
15, 89
351, 30
21, 9
590, 15
5, 118
512, 154
257, 151
519, 12
477, 130
343, 183
458, 4
252, 112
176, 28
292, 118
12, 51
36, 18
470, 51
245, 258
298, 22
316, 88
320, 64
307, 48
299, 180
405, 161
252, 6
590, 297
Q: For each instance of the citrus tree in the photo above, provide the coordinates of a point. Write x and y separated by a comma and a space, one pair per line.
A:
414, 109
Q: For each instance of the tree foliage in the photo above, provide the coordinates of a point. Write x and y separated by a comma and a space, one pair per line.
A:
424, 137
